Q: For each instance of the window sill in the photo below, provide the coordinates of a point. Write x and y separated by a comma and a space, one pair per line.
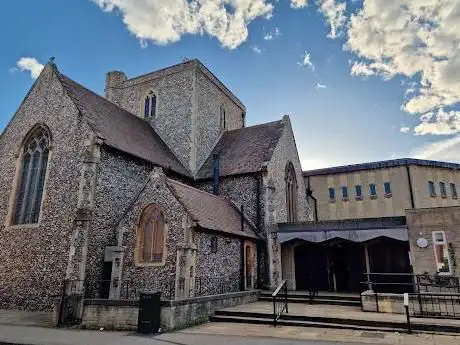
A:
150, 264
24, 226
332, 201
344, 199
359, 198
433, 195
388, 195
373, 197
444, 196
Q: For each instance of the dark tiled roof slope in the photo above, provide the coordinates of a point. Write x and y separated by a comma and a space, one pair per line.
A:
382, 164
211, 211
121, 129
244, 150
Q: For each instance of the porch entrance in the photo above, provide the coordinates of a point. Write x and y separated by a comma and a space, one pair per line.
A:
335, 267
340, 265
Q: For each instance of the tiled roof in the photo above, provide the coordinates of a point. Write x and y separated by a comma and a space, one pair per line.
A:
121, 129
211, 211
244, 150
380, 165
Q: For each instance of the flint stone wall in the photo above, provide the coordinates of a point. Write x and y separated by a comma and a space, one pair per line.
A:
34, 257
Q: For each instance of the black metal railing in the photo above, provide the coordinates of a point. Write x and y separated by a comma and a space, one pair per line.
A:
280, 301
389, 282
408, 282
197, 287
434, 305
437, 283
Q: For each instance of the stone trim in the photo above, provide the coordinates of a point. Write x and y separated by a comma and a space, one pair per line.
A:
204, 299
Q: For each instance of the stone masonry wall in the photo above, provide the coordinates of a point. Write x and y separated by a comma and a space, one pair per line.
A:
34, 257
242, 189
120, 179
174, 92
209, 100
154, 276
286, 151
421, 224
212, 268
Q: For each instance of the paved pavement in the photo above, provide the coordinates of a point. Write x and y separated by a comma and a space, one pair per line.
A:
216, 333
46, 336
340, 312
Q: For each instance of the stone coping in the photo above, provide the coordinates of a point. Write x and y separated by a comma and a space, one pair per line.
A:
171, 303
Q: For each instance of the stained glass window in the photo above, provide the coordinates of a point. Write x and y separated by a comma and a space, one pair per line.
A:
32, 177
291, 193
150, 105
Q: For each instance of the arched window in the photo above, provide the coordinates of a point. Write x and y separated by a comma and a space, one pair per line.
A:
31, 181
291, 193
151, 235
223, 119
150, 105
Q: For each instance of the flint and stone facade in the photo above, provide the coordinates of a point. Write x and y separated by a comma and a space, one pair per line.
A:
98, 184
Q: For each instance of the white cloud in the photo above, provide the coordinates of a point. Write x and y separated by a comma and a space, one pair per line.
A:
166, 21
299, 3
418, 40
306, 61
320, 86
443, 150
256, 49
271, 35
29, 64
404, 129
334, 12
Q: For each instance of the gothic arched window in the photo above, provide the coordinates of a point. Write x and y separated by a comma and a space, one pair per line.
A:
223, 119
291, 193
151, 235
150, 105
31, 180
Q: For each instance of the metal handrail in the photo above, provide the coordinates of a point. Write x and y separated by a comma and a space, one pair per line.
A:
280, 301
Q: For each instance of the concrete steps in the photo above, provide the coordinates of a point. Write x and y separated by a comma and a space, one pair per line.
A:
323, 298
328, 322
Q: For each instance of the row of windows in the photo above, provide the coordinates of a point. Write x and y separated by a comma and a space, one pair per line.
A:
442, 189
359, 191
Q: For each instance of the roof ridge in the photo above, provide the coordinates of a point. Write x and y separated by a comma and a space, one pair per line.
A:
255, 126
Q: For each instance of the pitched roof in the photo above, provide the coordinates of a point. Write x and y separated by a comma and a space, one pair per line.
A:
211, 211
244, 150
121, 129
380, 165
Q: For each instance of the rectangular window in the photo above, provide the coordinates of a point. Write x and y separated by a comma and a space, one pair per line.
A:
344, 193
431, 189
387, 188
372, 190
442, 188
453, 190
441, 253
331, 194
359, 192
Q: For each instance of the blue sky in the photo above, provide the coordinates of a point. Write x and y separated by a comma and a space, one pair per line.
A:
356, 90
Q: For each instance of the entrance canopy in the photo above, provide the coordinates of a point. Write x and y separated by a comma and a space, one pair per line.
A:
355, 230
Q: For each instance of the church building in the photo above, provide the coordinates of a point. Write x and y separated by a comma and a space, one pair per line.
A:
158, 185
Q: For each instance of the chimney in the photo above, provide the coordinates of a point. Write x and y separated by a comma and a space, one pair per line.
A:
113, 79
215, 174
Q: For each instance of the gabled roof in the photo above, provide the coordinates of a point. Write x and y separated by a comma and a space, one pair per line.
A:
121, 129
244, 150
380, 165
211, 211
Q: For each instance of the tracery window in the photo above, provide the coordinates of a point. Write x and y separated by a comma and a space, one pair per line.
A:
150, 105
223, 118
151, 235
31, 181
291, 193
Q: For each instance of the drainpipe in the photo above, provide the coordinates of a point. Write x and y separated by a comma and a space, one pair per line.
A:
410, 187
